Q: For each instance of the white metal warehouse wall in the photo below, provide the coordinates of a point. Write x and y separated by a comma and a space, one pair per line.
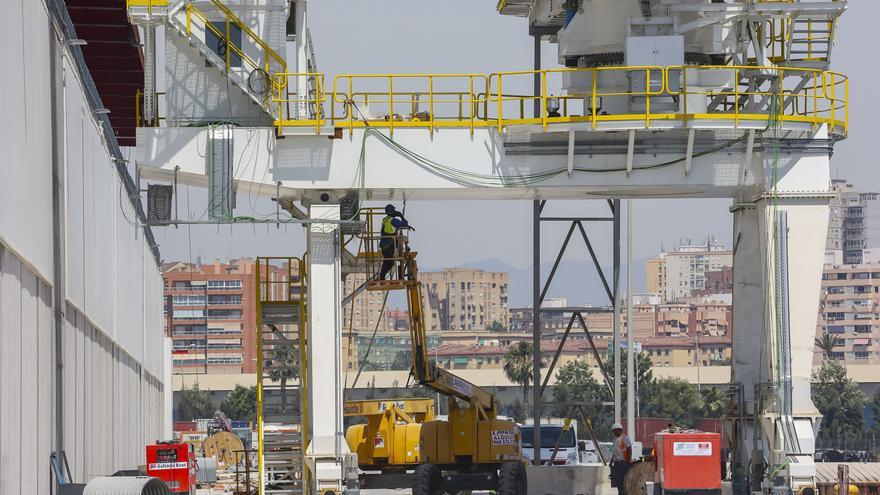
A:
112, 358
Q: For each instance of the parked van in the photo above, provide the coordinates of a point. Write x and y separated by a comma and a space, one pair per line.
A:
553, 435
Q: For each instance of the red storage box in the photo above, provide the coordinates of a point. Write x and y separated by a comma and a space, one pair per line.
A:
689, 461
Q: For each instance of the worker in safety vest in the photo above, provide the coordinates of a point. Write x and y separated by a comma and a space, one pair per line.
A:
621, 456
392, 223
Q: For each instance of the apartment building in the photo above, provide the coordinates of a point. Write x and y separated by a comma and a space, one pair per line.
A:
458, 356
680, 273
688, 351
211, 316
553, 321
847, 223
366, 308
848, 309
704, 318
384, 347
662, 351
464, 299
655, 275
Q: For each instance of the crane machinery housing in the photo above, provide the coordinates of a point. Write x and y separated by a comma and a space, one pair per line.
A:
649, 99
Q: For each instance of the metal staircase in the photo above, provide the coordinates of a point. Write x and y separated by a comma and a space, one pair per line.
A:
250, 70
281, 367
810, 40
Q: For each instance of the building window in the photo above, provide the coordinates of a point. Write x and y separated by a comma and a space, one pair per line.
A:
224, 314
183, 314
224, 284
188, 300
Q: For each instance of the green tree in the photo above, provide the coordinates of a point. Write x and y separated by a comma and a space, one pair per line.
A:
240, 404
840, 401
575, 383
402, 360
519, 367
194, 403
496, 326
672, 398
282, 366
713, 402
517, 411
875, 412
826, 343
644, 375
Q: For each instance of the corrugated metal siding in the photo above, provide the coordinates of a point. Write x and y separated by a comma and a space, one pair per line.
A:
112, 340
25, 192
859, 472
26, 376
114, 407
865, 475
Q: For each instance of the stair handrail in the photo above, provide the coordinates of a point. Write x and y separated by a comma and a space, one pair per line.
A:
231, 18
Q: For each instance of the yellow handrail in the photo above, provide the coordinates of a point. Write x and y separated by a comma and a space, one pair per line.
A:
230, 19
149, 4
431, 101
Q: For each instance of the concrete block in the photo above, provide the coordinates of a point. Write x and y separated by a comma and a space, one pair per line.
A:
589, 479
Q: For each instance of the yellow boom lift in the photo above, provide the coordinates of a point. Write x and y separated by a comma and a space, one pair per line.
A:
471, 450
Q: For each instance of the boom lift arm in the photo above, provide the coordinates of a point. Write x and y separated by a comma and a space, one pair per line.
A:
429, 374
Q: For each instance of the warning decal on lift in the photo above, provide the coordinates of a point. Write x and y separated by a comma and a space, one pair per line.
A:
379, 441
503, 437
159, 466
692, 449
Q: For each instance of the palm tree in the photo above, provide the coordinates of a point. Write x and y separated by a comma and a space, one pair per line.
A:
283, 366
714, 402
519, 365
826, 343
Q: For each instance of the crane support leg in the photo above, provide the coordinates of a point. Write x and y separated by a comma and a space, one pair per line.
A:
779, 246
327, 452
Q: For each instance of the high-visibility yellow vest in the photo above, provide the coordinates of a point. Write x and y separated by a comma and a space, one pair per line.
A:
387, 227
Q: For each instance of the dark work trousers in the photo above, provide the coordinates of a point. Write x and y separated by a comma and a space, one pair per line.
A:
618, 473
386, 245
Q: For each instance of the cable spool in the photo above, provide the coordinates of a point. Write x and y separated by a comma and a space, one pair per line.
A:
258, 82
635, 479
225, 447
134, 485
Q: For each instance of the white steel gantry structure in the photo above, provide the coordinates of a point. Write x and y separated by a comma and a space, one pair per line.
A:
657, 98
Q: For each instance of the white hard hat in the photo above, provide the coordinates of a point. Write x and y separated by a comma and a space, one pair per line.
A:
617, 426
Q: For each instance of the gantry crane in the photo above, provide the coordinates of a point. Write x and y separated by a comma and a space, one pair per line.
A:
471, 450
656, 99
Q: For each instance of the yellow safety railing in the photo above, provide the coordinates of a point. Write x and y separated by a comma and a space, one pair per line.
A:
409, 100
586, 104
281, 280
139, 120
149, 4
786, 95
298, 108
593, 96
272, 63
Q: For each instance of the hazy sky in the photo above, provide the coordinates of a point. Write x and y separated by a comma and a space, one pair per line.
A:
469, 36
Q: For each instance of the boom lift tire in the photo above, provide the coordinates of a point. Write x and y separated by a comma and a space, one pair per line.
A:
428, 480
511, 479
